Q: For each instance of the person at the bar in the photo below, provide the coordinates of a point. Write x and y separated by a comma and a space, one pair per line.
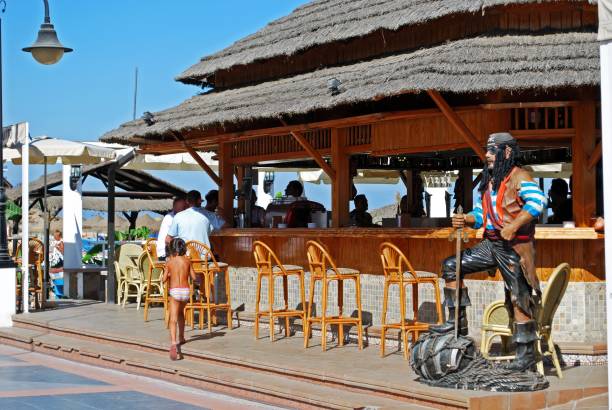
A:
300, 209
294, 191
258, 214
360, 216
509, 207
178, 204
210, 210
559, 202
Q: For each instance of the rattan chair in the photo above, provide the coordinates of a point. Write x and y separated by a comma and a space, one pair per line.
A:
204, 263
496, 321
270, 267
324, 269
127, 256
134, 280
153, 272
399, 271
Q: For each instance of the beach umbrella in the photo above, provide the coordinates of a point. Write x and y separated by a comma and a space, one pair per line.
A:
45, 150
151, 223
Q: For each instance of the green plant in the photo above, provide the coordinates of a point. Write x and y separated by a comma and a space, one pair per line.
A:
142, 232
93, 255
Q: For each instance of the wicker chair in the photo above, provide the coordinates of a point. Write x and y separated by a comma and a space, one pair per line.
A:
127, 256
324, 269
204, 263
399, 271
153, 272
496, 321
134, 279
270, 267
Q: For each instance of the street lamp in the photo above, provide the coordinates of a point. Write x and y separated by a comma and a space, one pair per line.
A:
47, 50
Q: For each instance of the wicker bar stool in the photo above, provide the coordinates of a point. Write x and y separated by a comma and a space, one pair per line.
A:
153, 280
270, 267
36, 254
204, 263
196, 302
323, 268
399, 271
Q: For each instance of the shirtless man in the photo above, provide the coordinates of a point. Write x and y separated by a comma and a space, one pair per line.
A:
176, 277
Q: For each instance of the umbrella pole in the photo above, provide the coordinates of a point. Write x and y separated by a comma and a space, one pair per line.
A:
46, 221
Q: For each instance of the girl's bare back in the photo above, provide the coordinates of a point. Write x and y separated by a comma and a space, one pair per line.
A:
179, 270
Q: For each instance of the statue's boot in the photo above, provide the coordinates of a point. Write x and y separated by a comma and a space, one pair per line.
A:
449, 301
525, 337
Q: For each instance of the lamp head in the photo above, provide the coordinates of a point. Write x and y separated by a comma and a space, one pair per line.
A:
76, 171
47, 49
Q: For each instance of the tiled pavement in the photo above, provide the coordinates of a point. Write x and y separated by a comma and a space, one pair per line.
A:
34, 381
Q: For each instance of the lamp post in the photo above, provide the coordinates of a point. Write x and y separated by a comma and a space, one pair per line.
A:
46, 50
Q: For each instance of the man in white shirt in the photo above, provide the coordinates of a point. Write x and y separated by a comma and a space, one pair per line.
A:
191, 224
179, 204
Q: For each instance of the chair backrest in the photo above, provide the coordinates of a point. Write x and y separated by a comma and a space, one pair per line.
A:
37, 251
143, 267
118, 273
319, 259
557, 284
128, 255
265, 258
150, 248
197, 250
394, 262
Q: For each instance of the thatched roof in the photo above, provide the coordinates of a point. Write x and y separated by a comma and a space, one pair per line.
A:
472, 65
121, 204
326, 21
126, 179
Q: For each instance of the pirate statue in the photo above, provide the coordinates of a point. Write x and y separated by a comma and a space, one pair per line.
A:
510, 204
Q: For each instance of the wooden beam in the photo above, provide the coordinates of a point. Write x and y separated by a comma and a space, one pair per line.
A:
543, 104
583, 179
458, 123
194, 154
595, 157
312, 151
341, 184
226, 189
211, 141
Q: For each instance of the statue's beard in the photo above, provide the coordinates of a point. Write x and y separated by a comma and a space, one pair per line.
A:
501, 169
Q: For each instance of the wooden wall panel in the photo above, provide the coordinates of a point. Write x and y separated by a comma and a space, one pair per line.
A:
435, 131
360, 251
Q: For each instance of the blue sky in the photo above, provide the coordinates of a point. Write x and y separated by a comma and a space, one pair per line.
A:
91, 90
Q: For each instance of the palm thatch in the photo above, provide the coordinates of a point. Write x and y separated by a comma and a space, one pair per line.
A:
480, 64
326, 21
160, 206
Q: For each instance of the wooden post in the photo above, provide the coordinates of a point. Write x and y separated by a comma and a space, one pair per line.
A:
583, 178
226, 190
341, 184
468, 190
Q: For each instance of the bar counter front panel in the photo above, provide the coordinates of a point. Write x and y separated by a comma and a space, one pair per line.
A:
358, 248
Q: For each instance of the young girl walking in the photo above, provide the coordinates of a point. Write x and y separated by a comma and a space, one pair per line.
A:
176, 277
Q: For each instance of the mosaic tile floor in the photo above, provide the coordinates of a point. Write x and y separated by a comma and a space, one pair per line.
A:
32, 381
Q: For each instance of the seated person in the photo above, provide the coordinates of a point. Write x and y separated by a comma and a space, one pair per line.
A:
359, 216
298, 213
294, 190
258, 214
559, 202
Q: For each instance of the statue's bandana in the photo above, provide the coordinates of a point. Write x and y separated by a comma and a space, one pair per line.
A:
498, 139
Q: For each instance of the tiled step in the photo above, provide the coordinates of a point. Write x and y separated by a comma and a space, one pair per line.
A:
265, 387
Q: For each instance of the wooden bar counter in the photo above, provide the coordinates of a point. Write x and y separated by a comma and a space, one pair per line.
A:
426, 248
